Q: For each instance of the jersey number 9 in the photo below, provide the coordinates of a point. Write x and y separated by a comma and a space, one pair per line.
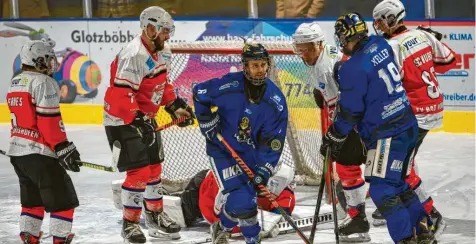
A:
391, 70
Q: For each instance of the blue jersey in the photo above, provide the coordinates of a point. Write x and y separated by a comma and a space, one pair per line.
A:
371, 94
255, 130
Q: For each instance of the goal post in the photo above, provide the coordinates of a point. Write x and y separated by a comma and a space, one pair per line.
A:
191, 63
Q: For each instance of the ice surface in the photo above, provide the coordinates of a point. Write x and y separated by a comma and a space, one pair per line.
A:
446, 163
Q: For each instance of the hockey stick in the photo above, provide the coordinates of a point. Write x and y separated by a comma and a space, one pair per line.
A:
333, 194
284, 227
319, 196
85, 164
263, 189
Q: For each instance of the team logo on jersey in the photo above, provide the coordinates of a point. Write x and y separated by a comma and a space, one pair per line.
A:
275, 145
371, 49
244, 132
248, 111
228, 85
277, 100
231, 172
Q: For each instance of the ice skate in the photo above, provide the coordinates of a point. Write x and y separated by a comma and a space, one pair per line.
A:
132, 233
219, 235
67, 240
160, 225
439, 224
378, 219
28, 238
355, 229
426, 236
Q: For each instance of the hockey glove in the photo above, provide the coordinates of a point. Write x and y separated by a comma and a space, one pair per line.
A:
68, 156
318, 98
145, 128
177, 104
262, 175
437, 34
210, 127
333, 140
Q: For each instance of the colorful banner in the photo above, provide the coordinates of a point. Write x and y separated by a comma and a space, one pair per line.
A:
86, 49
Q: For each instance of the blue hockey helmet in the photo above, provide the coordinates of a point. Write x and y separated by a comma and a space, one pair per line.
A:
349, 27
255, 51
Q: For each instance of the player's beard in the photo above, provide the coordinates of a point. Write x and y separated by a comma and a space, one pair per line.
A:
159, 45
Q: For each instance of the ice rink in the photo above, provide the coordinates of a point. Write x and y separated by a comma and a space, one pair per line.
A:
446, 163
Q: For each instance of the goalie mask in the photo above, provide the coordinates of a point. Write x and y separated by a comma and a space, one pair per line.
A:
39, 55
256, 63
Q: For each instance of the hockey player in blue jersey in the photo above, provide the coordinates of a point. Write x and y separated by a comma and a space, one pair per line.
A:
373, 99
251, 114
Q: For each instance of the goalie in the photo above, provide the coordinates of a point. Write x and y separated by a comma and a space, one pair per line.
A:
202, 199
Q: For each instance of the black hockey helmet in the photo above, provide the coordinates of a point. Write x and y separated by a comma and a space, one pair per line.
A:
255, 51
350, 27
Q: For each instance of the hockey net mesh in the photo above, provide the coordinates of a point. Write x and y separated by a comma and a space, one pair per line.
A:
195, 62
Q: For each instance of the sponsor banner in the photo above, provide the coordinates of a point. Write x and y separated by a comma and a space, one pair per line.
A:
86, 49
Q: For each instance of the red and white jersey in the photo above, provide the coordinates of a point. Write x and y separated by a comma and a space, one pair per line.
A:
37, 127
322, 74
138, 82
420, 56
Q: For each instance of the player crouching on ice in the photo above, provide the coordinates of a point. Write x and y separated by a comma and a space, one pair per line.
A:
252, 116
139, 86
41, 167
201, 199
419, 62
373, 99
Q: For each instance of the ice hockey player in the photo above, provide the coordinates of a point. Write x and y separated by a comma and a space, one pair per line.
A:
309, 43
254, 124
138, 87
39, 149
201, 197
373, 99
420, 55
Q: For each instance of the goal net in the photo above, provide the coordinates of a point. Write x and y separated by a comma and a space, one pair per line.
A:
195, 62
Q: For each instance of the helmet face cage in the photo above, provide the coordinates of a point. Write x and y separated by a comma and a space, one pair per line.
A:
252, 52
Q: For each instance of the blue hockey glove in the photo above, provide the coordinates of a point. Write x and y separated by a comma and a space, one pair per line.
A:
262, 175
210, 127
333, 140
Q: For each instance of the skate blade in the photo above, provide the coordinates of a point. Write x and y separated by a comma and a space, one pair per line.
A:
441, 229
355, 238
163, 235
379, 222
128, 242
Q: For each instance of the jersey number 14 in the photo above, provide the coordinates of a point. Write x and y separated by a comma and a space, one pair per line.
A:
391, 71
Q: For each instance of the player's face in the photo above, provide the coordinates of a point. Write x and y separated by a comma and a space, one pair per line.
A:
257, 69
159, 37
308, 52
381, 27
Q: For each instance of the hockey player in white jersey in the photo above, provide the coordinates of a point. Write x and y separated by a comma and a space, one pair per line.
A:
322, 59
39, 150
420, 55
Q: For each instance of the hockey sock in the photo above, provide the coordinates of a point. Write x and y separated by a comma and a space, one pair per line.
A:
417, 185
61, 224
353, 186
415, 208
398, 219
153, 197
133, 192
227, 221
250, 229
31, 220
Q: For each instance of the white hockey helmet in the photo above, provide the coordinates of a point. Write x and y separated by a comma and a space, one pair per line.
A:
157, 17
39, 54
387, 14
307, 33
